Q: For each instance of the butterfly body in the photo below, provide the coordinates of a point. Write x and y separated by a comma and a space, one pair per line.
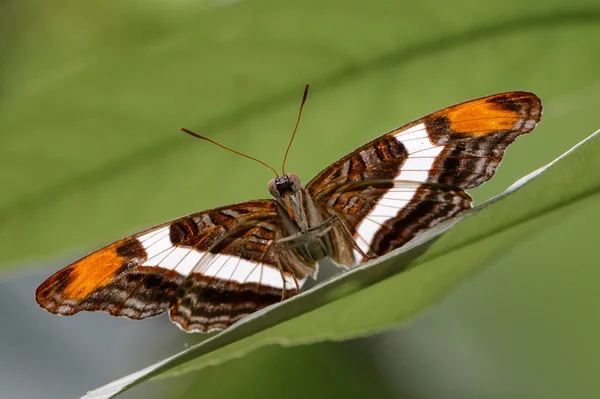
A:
212, 268
306, 226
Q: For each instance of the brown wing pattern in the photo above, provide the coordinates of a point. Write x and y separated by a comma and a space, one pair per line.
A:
209, 269
411, 178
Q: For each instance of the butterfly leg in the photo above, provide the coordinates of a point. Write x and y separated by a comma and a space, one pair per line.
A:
346, 231
281, 267
295, 241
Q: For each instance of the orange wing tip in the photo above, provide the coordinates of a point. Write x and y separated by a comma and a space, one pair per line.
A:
64, 290
512, 111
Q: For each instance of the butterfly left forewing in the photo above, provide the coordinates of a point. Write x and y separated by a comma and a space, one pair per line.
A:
209, 268
411, 178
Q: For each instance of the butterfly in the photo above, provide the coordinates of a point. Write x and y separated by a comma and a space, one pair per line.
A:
212, 268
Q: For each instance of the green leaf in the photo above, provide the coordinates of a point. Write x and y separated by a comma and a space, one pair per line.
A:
356, 303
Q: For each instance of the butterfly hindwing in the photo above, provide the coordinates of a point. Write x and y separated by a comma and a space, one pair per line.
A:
411, 178
209, 269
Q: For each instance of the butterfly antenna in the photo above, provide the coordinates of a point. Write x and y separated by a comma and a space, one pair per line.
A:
229, 149
295, 128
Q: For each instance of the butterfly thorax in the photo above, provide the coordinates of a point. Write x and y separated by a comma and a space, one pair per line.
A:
305, 226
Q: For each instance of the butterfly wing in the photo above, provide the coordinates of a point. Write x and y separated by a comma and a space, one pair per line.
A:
413, 177
209, 269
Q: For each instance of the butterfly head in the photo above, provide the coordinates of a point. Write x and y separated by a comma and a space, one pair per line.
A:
282, 186
284, 189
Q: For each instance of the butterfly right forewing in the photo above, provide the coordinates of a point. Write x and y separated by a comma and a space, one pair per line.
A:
413, 177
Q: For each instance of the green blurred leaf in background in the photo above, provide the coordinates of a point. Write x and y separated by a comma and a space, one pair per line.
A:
92, 95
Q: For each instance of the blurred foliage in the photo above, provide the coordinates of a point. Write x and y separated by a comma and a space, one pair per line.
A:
92, 94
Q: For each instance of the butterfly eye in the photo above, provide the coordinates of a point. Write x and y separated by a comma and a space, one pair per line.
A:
273, 189
294, 181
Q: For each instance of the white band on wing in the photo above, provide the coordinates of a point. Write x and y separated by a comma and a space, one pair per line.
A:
185, 260
422, 154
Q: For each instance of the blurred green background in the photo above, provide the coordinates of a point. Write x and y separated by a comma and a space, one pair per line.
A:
91, 98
